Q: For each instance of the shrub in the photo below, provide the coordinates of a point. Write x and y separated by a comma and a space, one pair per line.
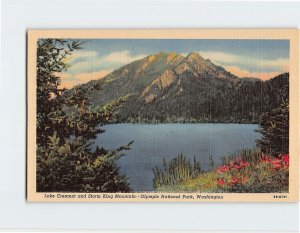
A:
250, 156
270, 174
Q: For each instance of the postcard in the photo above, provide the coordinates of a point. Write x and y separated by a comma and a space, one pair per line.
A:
168, 115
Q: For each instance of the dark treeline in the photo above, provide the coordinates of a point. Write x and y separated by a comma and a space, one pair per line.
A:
243, 102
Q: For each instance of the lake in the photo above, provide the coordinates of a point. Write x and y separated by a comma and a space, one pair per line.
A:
153, 142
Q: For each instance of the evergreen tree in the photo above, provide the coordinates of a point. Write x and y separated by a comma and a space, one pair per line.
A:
274, 126
65, 126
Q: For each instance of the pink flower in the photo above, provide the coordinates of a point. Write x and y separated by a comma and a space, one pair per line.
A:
276, 163
238, 164
244, 164
223, 169
236, 167
220, 182
285, 159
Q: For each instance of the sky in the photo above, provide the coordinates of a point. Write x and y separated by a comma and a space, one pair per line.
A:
262, 59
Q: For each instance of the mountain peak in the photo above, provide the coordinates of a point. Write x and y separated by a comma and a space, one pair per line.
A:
161, 53
170, 58
193, 54
194, 57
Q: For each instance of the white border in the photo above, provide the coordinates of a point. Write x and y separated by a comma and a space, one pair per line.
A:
19, 15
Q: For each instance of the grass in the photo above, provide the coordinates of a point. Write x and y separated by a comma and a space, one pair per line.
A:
204, 183
177, 170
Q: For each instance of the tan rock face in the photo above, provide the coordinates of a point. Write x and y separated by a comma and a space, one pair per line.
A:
164, 69
162, 82
150, 98
167, 78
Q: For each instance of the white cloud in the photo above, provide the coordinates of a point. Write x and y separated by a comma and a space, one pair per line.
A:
79, 54
246, 62
88, 61
122, 57
280, 63
70, 80
90, 65
216, 56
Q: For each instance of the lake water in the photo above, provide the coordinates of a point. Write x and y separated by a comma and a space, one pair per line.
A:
153, 142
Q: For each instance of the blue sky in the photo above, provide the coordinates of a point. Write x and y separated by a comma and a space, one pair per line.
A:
246, 58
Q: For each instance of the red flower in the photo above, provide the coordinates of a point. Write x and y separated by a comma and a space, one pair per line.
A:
236, 167
265, 159
223, 169
238, 164
220, 182
285, 159
234, 180
277, 163
244, 164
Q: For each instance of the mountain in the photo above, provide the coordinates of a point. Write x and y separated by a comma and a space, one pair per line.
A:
170, 87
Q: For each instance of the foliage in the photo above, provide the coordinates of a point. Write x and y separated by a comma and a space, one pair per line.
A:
266, 175
176, 171
274, 125
247, 155
65, 161
274, 128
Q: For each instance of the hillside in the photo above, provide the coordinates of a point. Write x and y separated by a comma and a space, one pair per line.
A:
169, 87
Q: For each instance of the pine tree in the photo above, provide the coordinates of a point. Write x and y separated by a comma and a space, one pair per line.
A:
65, 126
274, 126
